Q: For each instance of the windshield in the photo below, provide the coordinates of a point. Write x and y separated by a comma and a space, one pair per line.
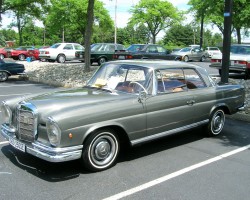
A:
122, 78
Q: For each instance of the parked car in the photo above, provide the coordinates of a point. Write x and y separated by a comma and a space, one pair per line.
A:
190, 53
9, 68
135, 47
3, 53
20, 53
103, 52
34, 53
239, 60
61, 52
212, 51
125, 102
149, 51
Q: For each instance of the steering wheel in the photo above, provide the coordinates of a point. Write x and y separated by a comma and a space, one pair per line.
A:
139, 85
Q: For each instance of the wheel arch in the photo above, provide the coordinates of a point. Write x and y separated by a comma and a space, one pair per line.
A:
120, 131
6, 72
221, 106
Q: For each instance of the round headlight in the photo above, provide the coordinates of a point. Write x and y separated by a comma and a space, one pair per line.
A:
53, 131
6, 113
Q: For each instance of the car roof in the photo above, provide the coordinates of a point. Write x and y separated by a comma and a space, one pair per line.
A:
156, 64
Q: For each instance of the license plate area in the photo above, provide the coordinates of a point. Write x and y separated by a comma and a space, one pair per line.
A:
16, 144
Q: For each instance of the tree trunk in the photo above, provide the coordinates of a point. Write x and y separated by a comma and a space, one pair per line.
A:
238, 35
88, 34
201, 31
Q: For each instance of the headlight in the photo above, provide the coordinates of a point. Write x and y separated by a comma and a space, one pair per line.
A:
53, 131
6, 113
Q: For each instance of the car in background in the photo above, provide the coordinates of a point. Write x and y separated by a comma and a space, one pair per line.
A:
102, 52
190, 53
4, 52
212, 51
21, 53
125, 103
34, 53
10, 68
61, 52
135, 47
239, 60
149, 51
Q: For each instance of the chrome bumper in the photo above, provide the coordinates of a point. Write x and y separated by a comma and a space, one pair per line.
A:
44, 152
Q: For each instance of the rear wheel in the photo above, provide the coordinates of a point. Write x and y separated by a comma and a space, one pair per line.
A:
101, 150
21, 57
101, 60
186, 58
216, 123
3, 76
203, 58
61, 58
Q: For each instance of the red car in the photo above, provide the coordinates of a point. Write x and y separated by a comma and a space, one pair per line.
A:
21, 53
3, 53
34, 53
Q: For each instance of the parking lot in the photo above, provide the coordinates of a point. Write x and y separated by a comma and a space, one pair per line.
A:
182, 166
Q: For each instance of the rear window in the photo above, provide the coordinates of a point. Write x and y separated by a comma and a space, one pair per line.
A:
240, 49
55, 46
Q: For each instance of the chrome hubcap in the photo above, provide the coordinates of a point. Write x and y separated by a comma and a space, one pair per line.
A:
218, 122
102, 150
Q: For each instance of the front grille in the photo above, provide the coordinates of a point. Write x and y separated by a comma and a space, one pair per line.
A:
26, 122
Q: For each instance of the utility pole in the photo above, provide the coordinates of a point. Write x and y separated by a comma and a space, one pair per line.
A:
226, 40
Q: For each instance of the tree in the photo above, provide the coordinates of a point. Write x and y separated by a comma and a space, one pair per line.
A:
88, 34
157, 15
73, 18
24, 11
214, 13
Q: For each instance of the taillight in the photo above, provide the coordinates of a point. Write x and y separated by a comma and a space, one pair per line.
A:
129, 57
216, 60
46, 52
248, 65
240, 62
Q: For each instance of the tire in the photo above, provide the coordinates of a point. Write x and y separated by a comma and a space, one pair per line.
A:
1, 56
101, 60
61, 58
101, 150
203, 58
216, 123
3, 76
186, 58
21, 57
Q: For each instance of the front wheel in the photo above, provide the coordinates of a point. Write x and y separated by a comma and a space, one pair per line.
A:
216, 123
101, 150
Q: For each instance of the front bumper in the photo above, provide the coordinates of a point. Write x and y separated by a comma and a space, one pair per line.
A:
45, 152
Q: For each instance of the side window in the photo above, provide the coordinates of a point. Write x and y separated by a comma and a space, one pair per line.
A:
152, 49
112, 48
161, 49
68, 47
193, 80
170, 80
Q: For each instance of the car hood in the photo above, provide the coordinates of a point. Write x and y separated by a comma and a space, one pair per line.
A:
74, 99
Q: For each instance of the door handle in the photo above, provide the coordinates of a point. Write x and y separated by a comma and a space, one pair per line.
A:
191, 102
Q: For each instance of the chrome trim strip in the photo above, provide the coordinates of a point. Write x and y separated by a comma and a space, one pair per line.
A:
242, 108
163, 134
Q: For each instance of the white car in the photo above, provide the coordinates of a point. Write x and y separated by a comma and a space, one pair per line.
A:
212, 51
61, 52
239, 60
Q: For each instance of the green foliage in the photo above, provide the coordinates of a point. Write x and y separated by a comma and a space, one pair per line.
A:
157, 15
73, 15
181, 36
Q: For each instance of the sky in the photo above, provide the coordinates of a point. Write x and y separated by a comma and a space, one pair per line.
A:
122, 11
123, 7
